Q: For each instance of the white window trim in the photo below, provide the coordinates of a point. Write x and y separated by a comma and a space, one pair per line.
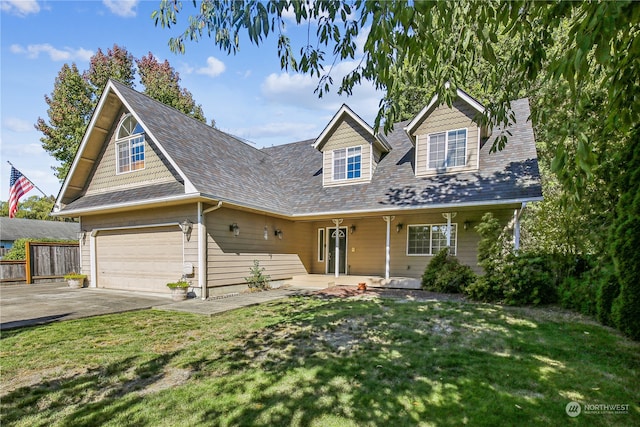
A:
321, 244
446, 148
346, 164
454, 245
128, 142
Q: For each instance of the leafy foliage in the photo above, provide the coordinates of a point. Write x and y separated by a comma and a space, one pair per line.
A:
18, 250
75, 97
626, 242
509, 277
445, 274
257, 281
34, 207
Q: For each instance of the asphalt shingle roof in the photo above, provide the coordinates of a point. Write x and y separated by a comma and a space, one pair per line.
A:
21, 228
287, 179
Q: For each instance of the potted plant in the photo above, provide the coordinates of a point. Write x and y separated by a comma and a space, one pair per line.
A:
75, 280
179, 289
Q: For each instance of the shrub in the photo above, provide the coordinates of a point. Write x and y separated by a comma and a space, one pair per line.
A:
179, 284
257, 281
445, 274
608, 291
528, 279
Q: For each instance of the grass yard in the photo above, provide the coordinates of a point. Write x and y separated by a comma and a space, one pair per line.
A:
309, 361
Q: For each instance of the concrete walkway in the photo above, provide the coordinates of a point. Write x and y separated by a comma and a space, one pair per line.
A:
27, 305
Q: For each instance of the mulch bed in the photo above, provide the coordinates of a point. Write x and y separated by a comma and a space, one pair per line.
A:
346, 291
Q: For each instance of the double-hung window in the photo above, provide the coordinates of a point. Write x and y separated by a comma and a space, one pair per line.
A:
447, 149
428, 239
347, 163
130, 145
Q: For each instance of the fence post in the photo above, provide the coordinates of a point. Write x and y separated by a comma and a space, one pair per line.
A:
27, 266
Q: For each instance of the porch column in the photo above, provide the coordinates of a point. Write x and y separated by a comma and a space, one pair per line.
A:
336, 261
448, 216
387, 261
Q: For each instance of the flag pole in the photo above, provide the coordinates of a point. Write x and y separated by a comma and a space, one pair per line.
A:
35, 186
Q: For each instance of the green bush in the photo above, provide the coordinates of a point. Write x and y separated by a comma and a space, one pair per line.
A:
445, 274
18, 249
608, 291
528, 279
512, 278
257, 281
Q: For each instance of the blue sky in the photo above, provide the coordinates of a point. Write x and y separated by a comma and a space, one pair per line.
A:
247, 94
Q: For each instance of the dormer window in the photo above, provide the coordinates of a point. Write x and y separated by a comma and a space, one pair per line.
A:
447, 149
130, 145
347, 163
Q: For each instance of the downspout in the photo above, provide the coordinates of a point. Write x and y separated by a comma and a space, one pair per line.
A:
516, 226
387, 262
202, 247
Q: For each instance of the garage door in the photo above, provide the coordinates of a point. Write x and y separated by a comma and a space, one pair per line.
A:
143, 259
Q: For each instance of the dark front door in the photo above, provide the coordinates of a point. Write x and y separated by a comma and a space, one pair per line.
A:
342, 247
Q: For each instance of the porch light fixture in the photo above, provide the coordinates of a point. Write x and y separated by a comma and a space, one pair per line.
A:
235, 229
186, 226
352, 229
466, 225
398, 228
81, 234
266, 233
278, 233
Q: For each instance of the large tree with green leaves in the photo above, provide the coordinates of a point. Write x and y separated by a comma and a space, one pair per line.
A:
75, 96
34, 207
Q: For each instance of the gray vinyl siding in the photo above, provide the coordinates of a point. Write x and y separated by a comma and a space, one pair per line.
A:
230, 257
443, 119
105, 177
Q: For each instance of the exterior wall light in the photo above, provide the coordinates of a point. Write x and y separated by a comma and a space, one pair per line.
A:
466, 225
81, 234
352, 229
278, 233
235, 229
186, 226
266, 233
398, 228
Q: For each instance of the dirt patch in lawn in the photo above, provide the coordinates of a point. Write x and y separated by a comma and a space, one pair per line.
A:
347, 291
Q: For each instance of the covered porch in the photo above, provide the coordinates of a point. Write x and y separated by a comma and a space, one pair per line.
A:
322, 281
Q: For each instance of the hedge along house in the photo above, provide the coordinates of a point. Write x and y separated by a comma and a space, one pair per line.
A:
161, 195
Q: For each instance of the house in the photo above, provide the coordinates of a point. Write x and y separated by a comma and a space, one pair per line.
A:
160, 195
12, 229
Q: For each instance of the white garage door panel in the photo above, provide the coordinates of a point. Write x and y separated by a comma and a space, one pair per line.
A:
139, 259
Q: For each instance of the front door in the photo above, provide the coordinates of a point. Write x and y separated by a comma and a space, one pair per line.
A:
342, 247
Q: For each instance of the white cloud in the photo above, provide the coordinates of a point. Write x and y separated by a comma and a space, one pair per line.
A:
297, 91
33, 51
214, 67
123, 8
15, 124
20, 7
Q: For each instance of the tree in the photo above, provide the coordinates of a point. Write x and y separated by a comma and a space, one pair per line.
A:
70, 107
117, 64
75, 96
34, 207
161, 82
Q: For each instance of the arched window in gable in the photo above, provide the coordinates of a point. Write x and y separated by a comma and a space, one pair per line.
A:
129, 145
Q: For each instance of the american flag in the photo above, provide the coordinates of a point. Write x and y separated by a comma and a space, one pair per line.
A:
20, 186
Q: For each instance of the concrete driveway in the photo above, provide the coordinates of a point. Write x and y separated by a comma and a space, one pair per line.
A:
25, 305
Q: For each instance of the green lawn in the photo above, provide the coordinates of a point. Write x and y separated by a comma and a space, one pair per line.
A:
308, 361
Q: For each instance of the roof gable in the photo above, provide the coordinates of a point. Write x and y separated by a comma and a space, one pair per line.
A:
343, 114
433, 104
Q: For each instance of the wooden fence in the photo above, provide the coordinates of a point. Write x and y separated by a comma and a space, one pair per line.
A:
46, 261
